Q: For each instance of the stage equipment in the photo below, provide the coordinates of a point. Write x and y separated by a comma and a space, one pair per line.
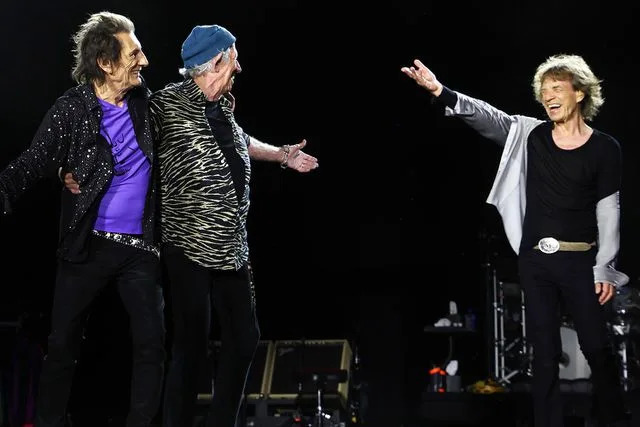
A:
295, 364
573, 364
625, 327
257, 380
292, 383
511, 350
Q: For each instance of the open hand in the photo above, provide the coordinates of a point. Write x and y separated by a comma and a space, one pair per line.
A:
299, 160
424, 77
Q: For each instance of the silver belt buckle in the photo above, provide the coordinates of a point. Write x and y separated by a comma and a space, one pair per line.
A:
549, 245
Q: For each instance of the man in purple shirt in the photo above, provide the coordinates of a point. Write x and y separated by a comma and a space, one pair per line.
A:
98, 132
122, 206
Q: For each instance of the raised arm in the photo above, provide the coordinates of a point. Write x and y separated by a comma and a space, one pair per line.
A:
487, 120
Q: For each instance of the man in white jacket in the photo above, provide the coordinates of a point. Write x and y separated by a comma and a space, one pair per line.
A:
557, 190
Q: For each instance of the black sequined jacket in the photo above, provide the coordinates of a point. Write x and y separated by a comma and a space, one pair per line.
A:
69, 138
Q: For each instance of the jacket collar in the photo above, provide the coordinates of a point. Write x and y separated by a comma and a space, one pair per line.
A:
137, 104
193, 91
87, 95
195, 94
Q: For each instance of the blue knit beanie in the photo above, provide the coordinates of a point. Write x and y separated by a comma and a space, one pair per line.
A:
203, 43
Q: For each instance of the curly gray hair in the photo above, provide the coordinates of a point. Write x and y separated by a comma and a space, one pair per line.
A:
575, 69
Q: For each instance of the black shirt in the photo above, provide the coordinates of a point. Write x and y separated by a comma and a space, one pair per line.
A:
564, 186
223, 133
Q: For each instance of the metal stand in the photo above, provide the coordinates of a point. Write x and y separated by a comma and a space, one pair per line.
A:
320, 415
525, 348
503, 347
621, 331
497, 312
508, 352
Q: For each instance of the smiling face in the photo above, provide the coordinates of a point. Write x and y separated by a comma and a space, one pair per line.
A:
560, 100
125, 74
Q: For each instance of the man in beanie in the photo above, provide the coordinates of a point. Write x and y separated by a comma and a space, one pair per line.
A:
99, 133
204, 178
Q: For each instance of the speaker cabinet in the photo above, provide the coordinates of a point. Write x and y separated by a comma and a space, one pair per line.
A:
259, 373
296, 364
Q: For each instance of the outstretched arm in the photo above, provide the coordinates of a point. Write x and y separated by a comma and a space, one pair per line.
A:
290, 156
487, 120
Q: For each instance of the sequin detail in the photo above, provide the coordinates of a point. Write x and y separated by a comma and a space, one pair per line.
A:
129, 240
252, 287
68, 140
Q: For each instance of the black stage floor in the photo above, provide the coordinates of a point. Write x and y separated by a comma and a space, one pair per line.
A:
508, 409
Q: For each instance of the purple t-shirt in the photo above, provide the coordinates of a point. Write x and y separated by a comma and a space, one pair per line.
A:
122, 206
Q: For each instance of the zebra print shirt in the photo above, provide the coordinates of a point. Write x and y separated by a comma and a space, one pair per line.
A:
199, 210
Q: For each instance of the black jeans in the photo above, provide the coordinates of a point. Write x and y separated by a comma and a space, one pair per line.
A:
194, 289
136, 273
546, 278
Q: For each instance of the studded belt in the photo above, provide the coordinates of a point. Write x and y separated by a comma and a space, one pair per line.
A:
129, 240
549, 245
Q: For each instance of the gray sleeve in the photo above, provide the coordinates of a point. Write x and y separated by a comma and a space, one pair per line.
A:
608, 216
487, 120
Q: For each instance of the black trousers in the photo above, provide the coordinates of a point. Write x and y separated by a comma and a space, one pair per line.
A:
194, 289
136, 273
546, 279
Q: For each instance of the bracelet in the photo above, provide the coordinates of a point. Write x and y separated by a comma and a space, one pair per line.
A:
285, 158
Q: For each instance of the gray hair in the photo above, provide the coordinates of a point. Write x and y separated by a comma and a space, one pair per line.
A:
198, 70
576, 70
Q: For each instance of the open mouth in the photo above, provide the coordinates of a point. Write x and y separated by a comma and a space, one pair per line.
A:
553, 107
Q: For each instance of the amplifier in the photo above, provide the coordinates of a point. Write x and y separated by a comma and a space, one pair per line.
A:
259, 373
299, 364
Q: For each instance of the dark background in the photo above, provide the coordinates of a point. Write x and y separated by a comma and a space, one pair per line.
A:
393, 225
